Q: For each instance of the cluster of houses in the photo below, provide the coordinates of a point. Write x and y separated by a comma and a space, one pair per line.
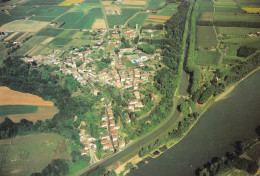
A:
88, 141
118, 75
110, 139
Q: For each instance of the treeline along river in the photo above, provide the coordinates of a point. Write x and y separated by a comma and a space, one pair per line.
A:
229, 120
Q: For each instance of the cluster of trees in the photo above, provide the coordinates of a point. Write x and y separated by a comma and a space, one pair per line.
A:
99, 171
229, 161
10, 129
125, 43
58, 167
245, 51
151, 26
147, 48
166, 79
175, 134
48, 83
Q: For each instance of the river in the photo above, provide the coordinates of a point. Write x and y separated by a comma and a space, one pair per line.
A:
225, 122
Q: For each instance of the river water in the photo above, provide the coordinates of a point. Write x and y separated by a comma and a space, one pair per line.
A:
225, 122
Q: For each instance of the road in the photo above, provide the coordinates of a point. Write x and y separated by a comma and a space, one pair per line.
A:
166, 125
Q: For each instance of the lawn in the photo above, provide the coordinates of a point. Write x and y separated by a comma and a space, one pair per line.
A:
207, 58
27, 154
205, 37
138, 19
17, 109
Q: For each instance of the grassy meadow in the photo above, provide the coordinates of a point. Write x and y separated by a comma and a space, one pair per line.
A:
27, 154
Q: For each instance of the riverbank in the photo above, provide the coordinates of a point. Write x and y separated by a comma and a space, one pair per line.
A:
229, 89
172, 143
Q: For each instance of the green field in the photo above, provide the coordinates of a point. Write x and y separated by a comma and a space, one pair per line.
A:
121, 19
155, 4
84, 7
169, 10
240, 31
70, 19
138, 19
24, 155
66, 34
41, 18
60, 42
41, 2
207, 58
88, 19
249, 3
79, 20
17, 109
205, 37
49, 32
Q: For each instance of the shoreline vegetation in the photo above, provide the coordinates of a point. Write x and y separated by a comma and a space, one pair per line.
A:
136, 159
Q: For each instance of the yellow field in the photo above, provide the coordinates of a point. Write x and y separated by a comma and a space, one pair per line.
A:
11, 97
158, 17
11, 36
112, 8
106, 2
23, 26
130, 2
251, 10
70, 2
206, 16
47, 40
99, 24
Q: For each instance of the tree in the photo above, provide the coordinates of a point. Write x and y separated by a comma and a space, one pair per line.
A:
136, 39
79, 63
245, 51
185, 107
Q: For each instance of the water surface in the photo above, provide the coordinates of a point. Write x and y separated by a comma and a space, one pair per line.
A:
225, 122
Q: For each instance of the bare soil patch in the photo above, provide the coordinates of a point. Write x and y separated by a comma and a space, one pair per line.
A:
130, 2
23, 26
106, 2
206, 16
159, 17
47, 40
99, 23
11, 97
11, 36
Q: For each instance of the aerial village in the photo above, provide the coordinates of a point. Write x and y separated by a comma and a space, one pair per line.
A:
81, 65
